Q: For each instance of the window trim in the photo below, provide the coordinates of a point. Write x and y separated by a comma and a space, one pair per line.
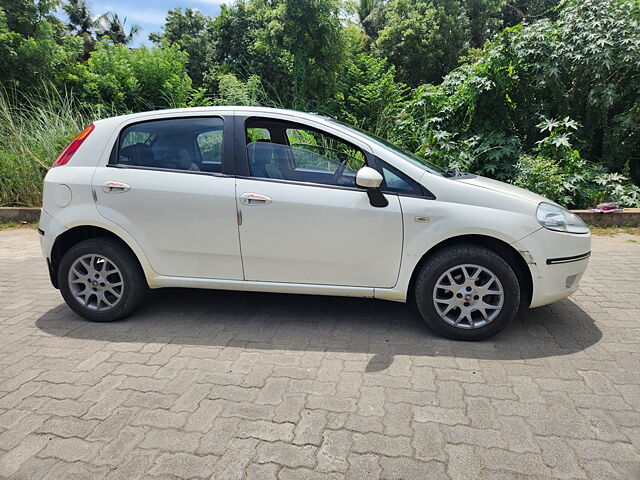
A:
308, 184
227, 166
169, 170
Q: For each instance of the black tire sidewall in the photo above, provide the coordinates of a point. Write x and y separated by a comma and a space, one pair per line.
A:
451, 257
134, 282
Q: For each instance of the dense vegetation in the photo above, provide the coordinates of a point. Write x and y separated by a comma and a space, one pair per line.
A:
544, 94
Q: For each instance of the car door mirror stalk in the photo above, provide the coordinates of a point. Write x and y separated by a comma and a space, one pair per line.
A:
377, 198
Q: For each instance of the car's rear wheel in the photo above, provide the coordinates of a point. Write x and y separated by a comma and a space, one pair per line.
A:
467, 292
101, 280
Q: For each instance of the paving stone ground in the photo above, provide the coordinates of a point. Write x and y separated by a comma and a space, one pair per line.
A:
205, 384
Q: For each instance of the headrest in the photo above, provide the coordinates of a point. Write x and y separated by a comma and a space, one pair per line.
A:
182, 159
260, 153
138, 154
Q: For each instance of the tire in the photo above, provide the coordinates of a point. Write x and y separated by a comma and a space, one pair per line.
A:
101, 262
446, 291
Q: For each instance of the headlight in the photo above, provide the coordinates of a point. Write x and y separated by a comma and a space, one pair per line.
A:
560, 219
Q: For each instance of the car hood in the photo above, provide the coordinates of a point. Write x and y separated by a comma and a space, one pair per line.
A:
503, 188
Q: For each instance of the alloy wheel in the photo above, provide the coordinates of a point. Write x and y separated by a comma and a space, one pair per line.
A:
468, 296
96, 282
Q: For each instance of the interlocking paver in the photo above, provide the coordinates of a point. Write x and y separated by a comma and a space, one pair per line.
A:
206, 384
184, 465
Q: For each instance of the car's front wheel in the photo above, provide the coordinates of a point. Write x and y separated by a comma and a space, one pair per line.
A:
467, 292
101, 280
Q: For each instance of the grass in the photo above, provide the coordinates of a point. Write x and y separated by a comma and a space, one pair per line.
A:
614, 230
32, 135
7, 225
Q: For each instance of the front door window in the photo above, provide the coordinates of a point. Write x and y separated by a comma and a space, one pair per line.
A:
286, 151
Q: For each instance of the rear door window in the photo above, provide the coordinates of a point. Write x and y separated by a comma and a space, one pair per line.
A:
183, 144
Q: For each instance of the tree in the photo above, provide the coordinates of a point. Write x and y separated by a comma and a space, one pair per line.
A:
581, 71
423, 38
110, 26
368, 16
192, 31
313, 35
484, 17
82, 23
134, 79
369, 97
249, 39
517, 11
24, 16
34, 47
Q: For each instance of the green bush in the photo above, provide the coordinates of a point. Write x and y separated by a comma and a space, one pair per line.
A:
585, 66
541, 175
134, 79
369, 97
558, 172
34, 48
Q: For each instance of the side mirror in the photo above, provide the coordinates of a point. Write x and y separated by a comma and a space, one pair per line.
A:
367, 177
370, 179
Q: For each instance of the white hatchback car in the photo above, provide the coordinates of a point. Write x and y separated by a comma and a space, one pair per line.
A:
268, 200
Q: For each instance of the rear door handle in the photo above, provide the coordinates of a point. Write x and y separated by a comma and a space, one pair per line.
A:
254, 199
111, 186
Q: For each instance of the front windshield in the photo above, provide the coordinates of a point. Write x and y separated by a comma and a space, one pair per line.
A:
401, 152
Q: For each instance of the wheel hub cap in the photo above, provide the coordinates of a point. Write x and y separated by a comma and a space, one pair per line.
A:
468, 296
96, 282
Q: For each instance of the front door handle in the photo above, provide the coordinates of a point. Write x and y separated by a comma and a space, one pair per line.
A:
254, 199
111, 186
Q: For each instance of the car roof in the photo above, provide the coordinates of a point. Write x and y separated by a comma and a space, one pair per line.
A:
220, 109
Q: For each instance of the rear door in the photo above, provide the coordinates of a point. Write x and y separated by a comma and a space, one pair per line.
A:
165, 184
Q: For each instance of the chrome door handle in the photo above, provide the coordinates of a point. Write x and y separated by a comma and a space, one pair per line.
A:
254, 199
115, 187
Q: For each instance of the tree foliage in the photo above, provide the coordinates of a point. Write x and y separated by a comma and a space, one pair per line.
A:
249, 39
584, 66
142, 79
312, 33
192, 32
422, 38
369, 97
33, 46
114, 28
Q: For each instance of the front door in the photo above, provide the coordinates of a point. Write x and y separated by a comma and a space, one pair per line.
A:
303, 220
164, 186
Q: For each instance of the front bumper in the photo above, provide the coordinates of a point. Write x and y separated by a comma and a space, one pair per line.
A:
557, 262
